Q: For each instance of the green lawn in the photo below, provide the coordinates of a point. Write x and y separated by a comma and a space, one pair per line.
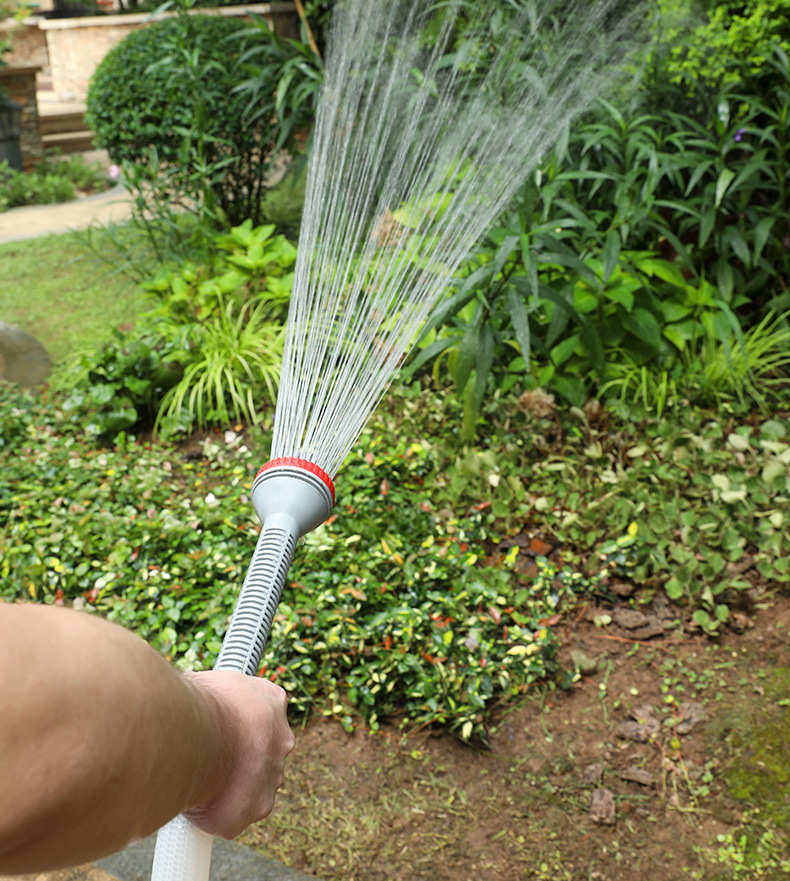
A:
55, 289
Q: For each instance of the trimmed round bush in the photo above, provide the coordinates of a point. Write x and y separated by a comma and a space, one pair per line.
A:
166, 98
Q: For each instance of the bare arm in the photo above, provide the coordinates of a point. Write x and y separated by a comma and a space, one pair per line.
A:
101, 742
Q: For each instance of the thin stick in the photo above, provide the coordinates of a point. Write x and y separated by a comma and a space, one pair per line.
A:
660, 642
308, 29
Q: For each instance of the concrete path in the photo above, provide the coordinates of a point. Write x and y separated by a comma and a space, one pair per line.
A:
40, 220
230, 862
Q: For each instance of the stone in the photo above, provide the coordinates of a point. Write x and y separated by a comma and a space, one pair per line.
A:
690, 713
592, 774
623, 589
634, 774
629, 618
641, 727
229, 862
23, 360
583, 662
602, 807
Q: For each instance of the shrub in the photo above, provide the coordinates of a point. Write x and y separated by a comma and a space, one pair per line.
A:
640, 235
728, 41
208, 352
165, 105
52, 180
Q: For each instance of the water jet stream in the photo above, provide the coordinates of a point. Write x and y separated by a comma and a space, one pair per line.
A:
432, 116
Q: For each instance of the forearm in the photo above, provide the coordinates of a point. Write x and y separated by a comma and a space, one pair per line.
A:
101, 742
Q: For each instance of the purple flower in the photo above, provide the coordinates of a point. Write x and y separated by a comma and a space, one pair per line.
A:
115, 172
739, 134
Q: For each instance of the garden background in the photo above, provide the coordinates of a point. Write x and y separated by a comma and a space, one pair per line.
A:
558, 562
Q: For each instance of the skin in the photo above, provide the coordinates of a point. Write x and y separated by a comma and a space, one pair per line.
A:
102, 742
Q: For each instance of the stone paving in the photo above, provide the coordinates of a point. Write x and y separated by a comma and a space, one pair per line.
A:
39, 220
83, 873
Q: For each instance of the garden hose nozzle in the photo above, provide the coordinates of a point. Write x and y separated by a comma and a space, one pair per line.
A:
292, 497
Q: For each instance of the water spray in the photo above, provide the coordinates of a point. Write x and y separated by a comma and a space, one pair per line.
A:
431, 118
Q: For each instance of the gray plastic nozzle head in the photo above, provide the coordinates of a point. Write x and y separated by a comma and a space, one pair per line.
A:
296, 488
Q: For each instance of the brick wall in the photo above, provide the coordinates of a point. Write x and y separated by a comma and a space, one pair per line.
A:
76, 45
20, 84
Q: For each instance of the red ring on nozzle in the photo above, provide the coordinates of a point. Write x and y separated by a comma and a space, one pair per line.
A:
306, 465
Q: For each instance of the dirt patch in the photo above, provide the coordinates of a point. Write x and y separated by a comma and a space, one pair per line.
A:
652, 736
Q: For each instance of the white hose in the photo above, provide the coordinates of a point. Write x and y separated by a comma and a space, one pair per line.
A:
290, 500
183, 852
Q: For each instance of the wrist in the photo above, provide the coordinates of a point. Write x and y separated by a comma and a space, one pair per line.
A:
214, 747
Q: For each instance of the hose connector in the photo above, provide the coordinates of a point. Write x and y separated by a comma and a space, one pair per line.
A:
296, 488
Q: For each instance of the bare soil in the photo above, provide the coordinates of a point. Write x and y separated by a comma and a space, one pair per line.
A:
653, 737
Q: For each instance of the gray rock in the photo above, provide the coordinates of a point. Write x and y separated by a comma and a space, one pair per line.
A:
583, 662
642, 725
602, 807
592, 773
635, 774
629, 618
23, 360
690, 713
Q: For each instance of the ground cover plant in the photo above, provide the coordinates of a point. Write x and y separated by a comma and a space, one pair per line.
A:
51, 180
448, 588
399, 605
208, 348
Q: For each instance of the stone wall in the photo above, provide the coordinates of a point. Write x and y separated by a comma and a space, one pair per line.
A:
28, 44
20, 84
75, 46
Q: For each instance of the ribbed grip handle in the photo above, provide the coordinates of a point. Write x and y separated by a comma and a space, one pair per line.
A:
252, 618
183, 852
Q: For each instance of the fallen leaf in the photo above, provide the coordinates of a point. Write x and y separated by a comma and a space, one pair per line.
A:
539, 547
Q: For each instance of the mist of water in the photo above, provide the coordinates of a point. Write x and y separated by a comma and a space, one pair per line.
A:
421, 141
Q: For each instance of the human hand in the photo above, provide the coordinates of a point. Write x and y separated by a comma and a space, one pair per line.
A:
254, 732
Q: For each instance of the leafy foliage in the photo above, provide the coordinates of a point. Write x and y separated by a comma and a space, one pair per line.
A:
397, 605
371, 620
726, 41
208, 352
642, 236
52, 180
165, 105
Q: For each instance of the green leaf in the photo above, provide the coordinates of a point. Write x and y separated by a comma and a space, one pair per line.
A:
725, 279
467, 353
571, 388
643, 325
622, 296
584, 300
484, 360
740, 248
611, 254
673, 311
520, 318
677, 339
673, 588
662, 269
707, 222
721, 612
562, 351
761, 233
726, 177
